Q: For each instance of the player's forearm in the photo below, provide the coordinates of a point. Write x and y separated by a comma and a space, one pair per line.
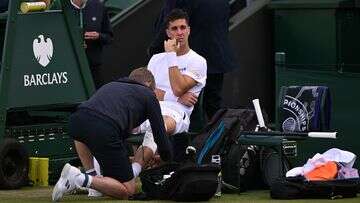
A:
177, 82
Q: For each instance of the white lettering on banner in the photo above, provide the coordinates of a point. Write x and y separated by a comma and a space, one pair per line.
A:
45, 79
297, 109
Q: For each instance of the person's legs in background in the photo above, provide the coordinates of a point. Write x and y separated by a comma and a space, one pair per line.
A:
212, 93
97, 77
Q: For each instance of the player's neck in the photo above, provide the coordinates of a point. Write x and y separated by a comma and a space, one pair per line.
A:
183, 50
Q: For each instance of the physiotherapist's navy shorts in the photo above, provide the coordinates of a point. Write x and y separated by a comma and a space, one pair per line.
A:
105, 142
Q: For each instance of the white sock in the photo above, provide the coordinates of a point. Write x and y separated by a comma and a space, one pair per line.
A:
97, 166
83, 180
136, 167
145, 126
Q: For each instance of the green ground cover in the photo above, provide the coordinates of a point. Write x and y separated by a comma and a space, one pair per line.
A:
43, 194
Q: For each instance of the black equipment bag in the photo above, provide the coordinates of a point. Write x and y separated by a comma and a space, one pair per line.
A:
298, 188
252, 167
239, 163
304, 108
272, 165
189, 182
240, 168
221, 131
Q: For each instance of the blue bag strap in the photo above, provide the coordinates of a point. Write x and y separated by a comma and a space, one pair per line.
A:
211, 141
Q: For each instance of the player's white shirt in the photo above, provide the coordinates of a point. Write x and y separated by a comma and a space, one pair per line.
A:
190, 64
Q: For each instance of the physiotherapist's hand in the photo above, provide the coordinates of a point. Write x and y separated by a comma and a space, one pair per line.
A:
188, 99
171, 45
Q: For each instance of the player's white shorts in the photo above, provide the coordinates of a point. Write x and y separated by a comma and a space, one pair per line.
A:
181, 119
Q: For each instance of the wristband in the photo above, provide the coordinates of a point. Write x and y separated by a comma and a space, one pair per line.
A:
170, 97
171, 59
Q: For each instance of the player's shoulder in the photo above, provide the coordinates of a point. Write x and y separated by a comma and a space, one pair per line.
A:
157, 56
197, 59
197, 56
155, 61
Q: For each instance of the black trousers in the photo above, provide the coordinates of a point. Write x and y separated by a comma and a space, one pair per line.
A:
212, 93
97, 77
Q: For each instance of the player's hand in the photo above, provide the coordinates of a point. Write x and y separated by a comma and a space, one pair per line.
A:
91, 35
159, 94
188, 99
171, 45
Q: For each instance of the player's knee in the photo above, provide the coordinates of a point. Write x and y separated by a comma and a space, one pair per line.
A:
170, 125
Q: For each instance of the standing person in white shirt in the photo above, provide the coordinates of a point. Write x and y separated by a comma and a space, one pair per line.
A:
180, 75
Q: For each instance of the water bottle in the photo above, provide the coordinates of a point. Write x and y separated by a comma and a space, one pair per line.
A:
26, 7
216, 159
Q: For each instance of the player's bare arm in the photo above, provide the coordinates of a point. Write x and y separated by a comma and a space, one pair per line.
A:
180, 84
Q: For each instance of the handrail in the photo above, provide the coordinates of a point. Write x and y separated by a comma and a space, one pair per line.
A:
247, 12
4, 15
128, 11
